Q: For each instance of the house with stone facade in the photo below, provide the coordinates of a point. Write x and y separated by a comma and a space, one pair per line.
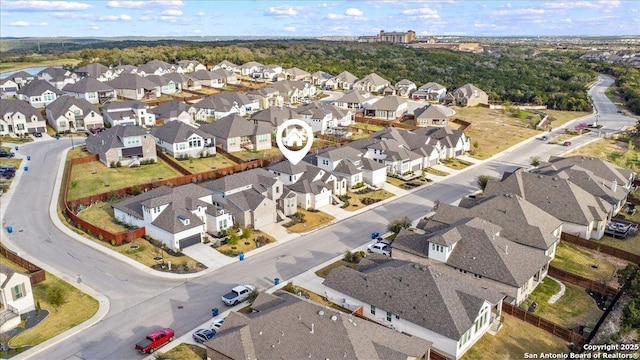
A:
19, 118
70, 114
124, 145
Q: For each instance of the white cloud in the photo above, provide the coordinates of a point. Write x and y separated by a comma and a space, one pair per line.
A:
424, 12
353, 12
567, 20
197, 31
524, 11
201, 14
26, 23
144, 18
172, 12
168, 18
290, 28
94, 27
281, 11
568, 5
332, 16
44, 5
145, 4
123, 17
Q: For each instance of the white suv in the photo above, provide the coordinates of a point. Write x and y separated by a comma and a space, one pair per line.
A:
379, 248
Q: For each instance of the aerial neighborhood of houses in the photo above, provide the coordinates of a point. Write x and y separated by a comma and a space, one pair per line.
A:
458, 265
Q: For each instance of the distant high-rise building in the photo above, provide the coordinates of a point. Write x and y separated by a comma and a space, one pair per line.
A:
392, 37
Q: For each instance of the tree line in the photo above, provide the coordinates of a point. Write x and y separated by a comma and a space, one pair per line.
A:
553, 79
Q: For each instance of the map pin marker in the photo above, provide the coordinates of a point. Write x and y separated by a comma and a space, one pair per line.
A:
292, 134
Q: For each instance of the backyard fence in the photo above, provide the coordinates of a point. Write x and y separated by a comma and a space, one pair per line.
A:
546, 325
434, 355
606, 249
592, 285
359, 118
173, 163
37, 275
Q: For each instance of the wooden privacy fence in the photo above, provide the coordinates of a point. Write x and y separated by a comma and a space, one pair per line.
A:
173, 163
606, 249
592, 285
546, 325
434, 355
37, 274
359, 118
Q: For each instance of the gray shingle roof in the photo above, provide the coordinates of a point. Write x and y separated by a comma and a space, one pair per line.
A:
339, 153
132, 82
112, 138
286, 167
559, 197
234, 125
520, 220
257, 178
427, 296
598, 167
223, 101
346, 77
176, 131
374, 79
38, 87
276, 116
93, 70
13, 106
62, 104
86, 85
170, 109
353, 97
281, 329
124, 105
181, 199
391, 102
433, 112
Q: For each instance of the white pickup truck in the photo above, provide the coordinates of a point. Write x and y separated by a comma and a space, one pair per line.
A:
237, 295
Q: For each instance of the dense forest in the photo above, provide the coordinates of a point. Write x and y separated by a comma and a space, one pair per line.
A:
557, 79
627, 83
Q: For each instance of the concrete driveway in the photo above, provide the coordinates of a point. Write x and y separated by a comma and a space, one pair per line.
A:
208, 256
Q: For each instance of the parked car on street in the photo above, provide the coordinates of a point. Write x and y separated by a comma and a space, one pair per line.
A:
237, 295
154, 340
203, 335
379, 248
544, 138
7, 154
566, 143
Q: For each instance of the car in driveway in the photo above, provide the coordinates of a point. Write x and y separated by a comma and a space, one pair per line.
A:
37, 134
379, 248
203, 335
216, 325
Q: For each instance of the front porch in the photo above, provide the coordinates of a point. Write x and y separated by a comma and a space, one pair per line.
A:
496, 319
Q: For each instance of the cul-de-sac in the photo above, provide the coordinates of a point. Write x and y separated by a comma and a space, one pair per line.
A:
270, 180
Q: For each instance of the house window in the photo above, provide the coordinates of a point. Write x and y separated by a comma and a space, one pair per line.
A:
373, 309
389, 316
232, 141
18, 291
20, 127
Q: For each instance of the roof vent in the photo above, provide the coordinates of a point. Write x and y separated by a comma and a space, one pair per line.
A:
321, 312
334, 318
260, 333
423, 268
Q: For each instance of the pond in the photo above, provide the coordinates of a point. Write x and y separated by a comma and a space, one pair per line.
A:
31, 70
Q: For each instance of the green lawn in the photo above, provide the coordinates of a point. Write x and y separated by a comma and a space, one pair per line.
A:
16, 140
574, 308
395, 181
78, 308
94, 177
630, 244
367, 126
514, 339
198, 165
573, 259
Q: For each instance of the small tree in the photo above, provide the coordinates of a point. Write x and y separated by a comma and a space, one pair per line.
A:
56, 296
535, 162
398, 224
246, 233
483, 180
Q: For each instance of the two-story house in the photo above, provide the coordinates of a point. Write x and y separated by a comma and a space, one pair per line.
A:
343, 81
235, 133
312, 185
96, 71
70, 114
38, 93
175, 110
135, 87
405, 87
8, 88
16, 297
467, 95
90, 89
250, 196
178, 216
124, 145
224, 104
476, 248
431, 91
189, 66
371, 83
180, 140
19, 118
582, 213
131, 112
57, 77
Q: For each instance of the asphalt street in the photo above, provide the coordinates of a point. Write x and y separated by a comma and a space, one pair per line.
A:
140, 301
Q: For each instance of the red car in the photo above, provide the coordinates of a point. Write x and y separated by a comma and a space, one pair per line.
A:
154, 340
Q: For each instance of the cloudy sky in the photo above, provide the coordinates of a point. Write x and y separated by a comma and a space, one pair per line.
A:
317, 18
